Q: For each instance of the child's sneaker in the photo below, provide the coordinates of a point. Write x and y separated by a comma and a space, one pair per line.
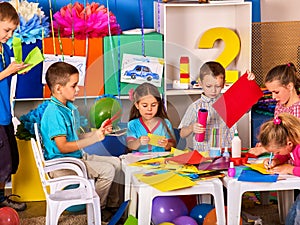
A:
18, 206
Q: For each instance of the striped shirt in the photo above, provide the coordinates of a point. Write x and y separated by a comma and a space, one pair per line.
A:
213, 121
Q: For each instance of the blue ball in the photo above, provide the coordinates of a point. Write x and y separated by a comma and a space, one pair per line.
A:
200, 211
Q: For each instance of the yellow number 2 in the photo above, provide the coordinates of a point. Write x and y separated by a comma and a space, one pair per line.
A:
231, 49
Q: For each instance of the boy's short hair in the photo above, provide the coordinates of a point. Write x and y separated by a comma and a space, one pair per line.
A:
212, 68
59, 73
8, 13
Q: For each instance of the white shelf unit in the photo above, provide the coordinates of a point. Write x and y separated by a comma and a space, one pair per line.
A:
183, 25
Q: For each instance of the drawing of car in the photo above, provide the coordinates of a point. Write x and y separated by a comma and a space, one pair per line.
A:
143, 72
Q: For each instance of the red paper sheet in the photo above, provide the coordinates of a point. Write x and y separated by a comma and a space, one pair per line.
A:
237, 100
193, 157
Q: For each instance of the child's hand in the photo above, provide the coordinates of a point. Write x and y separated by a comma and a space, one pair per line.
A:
144, 140
267, 165
107, 126
257, 150
198, 128
251, 76
163, 142
272, 165
100, 133
283, 169
16, 67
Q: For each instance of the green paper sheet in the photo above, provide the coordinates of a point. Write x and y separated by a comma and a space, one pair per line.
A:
17, 48
33, 58
131, 220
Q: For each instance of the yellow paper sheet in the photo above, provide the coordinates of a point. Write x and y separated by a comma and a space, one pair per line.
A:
188, 169
169, 166
167, 181
154, 139
259, 167
159, 160
177, 152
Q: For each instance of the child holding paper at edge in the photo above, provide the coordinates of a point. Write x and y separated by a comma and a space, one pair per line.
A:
212, 79
284, 83
9, 20
281, 136
60, 125
148, 115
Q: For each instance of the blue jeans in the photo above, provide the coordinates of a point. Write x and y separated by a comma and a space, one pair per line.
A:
293, 216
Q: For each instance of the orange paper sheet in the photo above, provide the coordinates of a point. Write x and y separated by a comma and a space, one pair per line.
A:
238, 100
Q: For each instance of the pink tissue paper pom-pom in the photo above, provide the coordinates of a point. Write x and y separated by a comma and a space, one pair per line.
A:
91, 21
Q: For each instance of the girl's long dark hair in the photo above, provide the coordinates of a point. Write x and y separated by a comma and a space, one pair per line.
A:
285, 73
145, 89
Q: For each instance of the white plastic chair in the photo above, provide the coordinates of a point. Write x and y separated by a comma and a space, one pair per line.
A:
58, 199
72, 163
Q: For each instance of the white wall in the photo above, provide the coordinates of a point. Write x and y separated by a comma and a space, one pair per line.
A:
280, 10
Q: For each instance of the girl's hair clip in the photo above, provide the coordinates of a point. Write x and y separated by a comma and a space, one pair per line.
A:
130, 93
288, 64
277, 121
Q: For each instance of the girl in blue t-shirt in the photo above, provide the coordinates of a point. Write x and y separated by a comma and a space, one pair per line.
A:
148, 117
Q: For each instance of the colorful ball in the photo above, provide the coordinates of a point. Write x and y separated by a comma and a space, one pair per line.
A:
167, 208
211, 217
9, 216
200, 211
166, 223
185, 220
103, 109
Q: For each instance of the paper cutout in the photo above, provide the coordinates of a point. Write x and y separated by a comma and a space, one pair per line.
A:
33, 58
187, 169
258, 167
113, 118
237, 100
17, 49
255, 176
165, 181
211, 175
193, 157
177, 152
220, 163
154, 138
149, 161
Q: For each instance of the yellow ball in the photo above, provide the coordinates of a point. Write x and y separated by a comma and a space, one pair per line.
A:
166, 223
